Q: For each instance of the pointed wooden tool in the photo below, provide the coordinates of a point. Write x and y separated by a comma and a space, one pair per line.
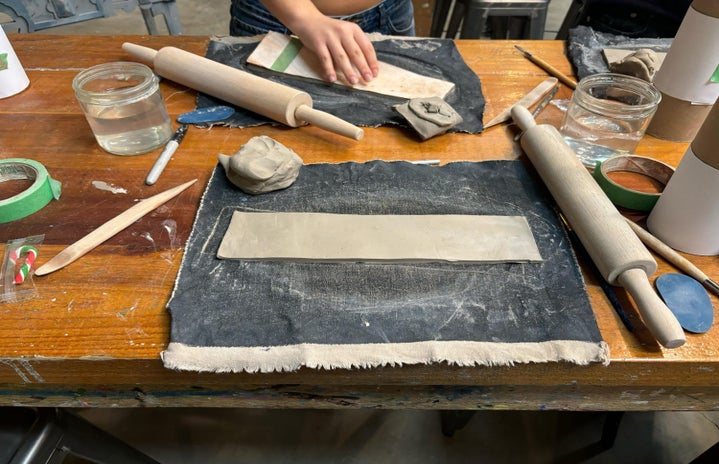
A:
108, 229
526, 101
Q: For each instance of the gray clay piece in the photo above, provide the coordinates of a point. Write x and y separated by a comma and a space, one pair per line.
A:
262, 165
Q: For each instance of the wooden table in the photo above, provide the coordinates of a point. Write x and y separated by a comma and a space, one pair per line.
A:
94, 335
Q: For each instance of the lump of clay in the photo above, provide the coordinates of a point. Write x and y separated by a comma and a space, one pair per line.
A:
641, 64
262, 165
429, 116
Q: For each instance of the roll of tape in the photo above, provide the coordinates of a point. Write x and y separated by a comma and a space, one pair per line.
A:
624, 196
40, 193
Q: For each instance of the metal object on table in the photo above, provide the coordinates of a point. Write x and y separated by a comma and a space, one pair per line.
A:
36, 15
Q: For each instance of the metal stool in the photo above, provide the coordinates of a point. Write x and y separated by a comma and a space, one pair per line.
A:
36, 15
48, 435
523, 19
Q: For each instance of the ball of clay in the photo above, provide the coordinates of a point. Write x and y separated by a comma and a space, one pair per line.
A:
262, 165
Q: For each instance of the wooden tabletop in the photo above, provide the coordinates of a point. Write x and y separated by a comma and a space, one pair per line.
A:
94, 334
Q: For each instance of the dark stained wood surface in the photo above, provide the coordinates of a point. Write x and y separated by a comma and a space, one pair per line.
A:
94, 335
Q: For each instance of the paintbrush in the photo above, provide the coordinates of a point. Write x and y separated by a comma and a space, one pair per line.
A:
108, 229
549, 68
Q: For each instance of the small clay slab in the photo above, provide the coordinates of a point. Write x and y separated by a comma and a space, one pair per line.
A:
205, 115
430, 116
688, 300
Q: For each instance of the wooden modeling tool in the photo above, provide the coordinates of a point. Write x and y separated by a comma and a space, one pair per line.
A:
569, 82
526, 101
108, 229
613, 246
677, 260
276, 101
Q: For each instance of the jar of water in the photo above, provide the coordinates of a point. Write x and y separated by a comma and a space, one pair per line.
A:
608, 115
124, 107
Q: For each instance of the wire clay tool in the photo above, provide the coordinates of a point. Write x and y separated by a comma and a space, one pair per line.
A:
549, 68
542, 104
109, 229
166, 154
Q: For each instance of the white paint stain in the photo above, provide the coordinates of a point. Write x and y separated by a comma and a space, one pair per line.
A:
30, 370
28, 375
101, 185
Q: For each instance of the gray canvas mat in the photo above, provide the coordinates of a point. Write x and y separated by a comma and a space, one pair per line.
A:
265, 316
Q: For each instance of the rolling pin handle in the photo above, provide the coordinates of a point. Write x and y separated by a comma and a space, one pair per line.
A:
522, 117
660, 321
145, 54
328, 122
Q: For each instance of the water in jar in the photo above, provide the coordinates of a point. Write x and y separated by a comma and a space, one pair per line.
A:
130, 128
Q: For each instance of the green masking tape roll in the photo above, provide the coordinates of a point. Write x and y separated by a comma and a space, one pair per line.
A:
40, 193
624, 196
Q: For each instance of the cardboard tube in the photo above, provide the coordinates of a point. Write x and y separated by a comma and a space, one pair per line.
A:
684, 78
706, 143
620, 256
279, 102
686, 216
13, 78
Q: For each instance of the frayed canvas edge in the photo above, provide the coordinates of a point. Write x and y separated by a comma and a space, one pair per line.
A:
289, 358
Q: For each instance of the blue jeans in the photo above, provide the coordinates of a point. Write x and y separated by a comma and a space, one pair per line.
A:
391, 17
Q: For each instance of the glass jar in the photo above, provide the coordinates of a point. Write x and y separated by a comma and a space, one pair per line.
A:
124, 107
607, 115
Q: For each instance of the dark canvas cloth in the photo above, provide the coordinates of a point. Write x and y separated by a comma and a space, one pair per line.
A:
228, 314
437, 58
585, 47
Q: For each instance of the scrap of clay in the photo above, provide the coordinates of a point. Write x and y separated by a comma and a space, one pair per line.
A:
388, 238
642, 63
429, 116
262, 165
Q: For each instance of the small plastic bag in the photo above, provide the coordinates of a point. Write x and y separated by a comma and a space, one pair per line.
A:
16, 282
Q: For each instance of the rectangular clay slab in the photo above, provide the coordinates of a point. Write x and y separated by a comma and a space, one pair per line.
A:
388, 238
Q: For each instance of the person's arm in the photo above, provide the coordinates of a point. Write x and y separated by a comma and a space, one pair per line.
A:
340, 45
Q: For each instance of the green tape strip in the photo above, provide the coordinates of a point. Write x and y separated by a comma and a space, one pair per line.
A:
715, 76
40, 193
289, 53
626, 197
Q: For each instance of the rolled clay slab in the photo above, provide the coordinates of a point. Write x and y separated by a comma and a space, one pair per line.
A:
391, 238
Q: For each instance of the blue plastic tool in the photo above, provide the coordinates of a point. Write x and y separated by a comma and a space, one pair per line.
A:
205, 115
688, 300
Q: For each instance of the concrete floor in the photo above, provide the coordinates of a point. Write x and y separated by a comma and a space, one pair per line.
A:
219, 436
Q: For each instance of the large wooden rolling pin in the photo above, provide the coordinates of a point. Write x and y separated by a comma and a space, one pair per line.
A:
271, 99
616, 250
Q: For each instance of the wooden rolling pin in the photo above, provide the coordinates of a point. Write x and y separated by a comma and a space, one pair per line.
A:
271, 99
618, 253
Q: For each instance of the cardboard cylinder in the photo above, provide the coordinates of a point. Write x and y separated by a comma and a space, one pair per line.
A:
686, 217
685, 76
13, 79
